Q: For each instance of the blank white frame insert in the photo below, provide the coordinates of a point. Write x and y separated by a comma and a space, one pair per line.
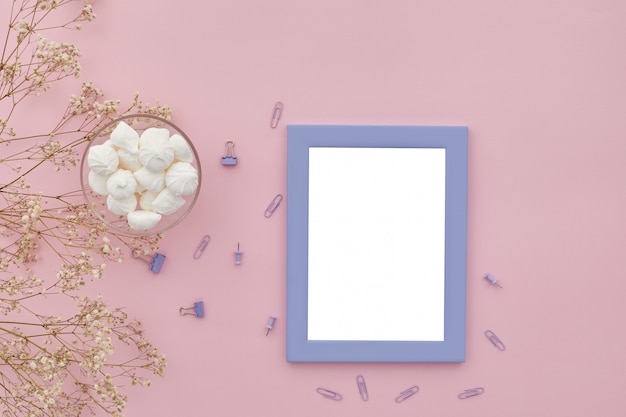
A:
376, 244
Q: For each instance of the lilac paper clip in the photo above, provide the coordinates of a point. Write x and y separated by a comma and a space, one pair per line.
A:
360, 383
154, 265
409, 392
278, 111
331, 395
495, 340
204, 242
273, 206
470, 392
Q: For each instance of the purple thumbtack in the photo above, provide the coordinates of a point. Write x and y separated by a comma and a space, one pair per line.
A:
270, 325
238, 255
492, 280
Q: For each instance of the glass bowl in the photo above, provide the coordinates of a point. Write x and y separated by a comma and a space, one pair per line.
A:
145, 158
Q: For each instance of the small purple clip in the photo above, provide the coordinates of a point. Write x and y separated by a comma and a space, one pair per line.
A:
360, 382
331, 395
407, 393
495, 340
471, 392
229, 157
198, 310
154, 265
273, 206
204, 242
278, 110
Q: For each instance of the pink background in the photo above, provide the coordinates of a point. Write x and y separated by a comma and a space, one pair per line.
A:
541, 86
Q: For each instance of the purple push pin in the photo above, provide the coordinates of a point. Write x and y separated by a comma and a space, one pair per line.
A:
492, 280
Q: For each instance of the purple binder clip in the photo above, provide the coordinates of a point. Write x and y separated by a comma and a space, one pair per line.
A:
229, 157
155, 264
197, 310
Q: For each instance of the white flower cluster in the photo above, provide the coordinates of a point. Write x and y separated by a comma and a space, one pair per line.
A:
152, 171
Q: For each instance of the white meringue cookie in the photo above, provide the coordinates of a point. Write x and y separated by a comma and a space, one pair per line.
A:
146, 199
98, 183
167, 202
181, 178
123, 206
150, 180
155, 151
151, 134
129, 160
182, 150
102, 159
121, 184
142, 219
125, 137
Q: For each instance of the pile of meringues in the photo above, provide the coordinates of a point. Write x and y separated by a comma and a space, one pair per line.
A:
143, 176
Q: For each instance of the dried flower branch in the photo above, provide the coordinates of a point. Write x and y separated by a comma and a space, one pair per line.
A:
54, 365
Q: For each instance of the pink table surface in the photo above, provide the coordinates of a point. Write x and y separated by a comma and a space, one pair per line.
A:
541, 85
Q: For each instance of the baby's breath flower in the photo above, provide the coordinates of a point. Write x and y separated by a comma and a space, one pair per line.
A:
62, 365
88, 13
